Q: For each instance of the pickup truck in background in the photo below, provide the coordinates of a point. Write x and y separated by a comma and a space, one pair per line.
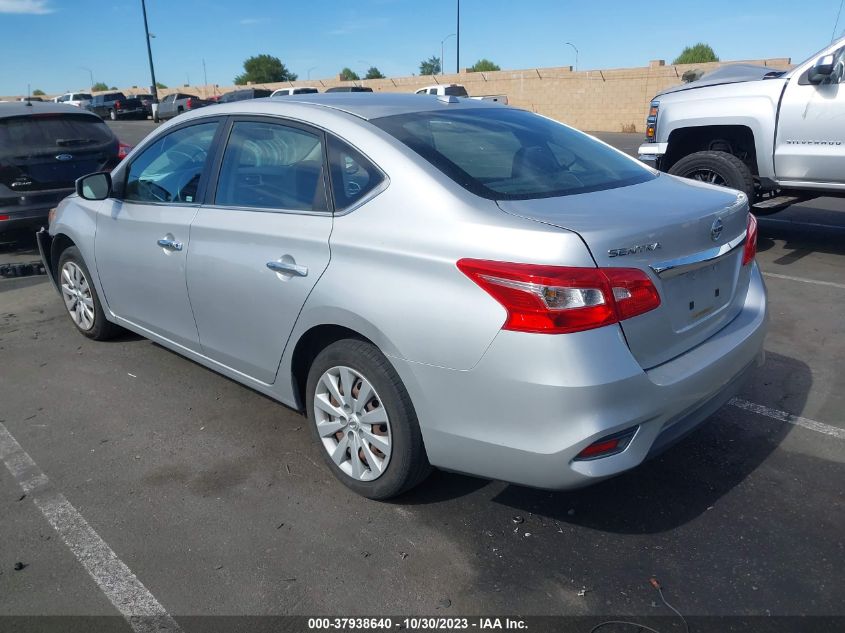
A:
457, 90
116, 105
778, 136
177, 103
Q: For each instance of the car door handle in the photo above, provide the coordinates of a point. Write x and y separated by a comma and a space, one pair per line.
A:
173, 245
288, 268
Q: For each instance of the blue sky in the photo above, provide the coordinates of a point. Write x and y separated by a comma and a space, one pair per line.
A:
48, 43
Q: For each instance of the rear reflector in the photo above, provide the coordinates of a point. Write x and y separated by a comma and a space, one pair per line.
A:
607, 446
750, 250
560, 300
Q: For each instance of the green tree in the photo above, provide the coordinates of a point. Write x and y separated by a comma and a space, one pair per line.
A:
113, 88
701, 53
430, 66
38, 92
373, 73
264, 69
99, 87
483, 65
160, 86
347, 74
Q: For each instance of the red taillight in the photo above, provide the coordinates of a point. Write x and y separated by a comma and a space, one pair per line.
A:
123, 150
189, 104
750, 250
117, 105
3, 218
608, 445
559, 300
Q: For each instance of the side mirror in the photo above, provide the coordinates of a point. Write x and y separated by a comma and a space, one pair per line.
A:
94, 186
822, 69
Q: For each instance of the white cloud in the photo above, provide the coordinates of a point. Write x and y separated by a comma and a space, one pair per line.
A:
36, 7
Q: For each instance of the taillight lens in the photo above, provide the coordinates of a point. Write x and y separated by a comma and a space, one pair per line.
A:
750, 249
651, 122
189, 104
4, 217
559, 300
117, 105
123, 150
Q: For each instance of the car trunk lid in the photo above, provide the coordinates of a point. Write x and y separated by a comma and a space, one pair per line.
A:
686, 236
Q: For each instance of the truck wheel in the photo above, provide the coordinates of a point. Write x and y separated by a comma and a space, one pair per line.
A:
718, 168
112, 115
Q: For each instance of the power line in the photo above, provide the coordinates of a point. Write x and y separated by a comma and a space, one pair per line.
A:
836, 25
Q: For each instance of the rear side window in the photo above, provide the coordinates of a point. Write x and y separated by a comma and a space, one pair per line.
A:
305, 91
52, 132
509, 154
81, 96
170, 169
455, 91
272, 166
353, 175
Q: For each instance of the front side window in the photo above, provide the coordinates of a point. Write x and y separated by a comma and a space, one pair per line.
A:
353, 175
272, 166
170, 169
509, 154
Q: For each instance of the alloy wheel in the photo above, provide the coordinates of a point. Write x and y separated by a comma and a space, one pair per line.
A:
707, 175
352, 423
76, 292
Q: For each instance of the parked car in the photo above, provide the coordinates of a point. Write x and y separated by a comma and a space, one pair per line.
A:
78, 99
297, 90
243, 95
768, 133
349, 89
147, 102
434, 283
177, 103
25, 99
44, 148
454, 90
116, 105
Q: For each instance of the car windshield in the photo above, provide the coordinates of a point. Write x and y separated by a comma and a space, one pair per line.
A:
45, 132
510, 154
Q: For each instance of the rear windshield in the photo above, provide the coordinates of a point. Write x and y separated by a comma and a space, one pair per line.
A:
455, 91
304, 91
81, 95
51, 131
510, 154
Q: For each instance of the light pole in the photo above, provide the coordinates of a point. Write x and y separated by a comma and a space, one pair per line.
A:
90, 75
576, 54
154, 87
458, 45
442, 42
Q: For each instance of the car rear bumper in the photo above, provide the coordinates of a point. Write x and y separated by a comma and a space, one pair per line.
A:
25, 218
533, 402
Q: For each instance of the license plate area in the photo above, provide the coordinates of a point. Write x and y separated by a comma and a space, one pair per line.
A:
697, 295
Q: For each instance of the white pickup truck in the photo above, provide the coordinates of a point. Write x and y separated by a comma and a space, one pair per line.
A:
457, 90
777, 136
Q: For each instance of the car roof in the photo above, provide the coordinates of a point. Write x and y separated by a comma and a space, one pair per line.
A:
374, 105
17, 108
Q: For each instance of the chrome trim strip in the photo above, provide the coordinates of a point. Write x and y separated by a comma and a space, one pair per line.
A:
675, 267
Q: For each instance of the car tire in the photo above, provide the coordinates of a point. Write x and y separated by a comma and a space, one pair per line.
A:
113, 115
718, 168
405, 464
75, 286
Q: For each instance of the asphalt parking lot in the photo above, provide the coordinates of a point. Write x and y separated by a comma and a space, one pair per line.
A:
216, 499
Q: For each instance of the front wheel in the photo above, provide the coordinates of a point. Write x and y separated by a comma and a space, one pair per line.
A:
80, 297
717, 168
363, 420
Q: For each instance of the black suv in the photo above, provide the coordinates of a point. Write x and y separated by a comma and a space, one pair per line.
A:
243, 95
116, 105
44, 148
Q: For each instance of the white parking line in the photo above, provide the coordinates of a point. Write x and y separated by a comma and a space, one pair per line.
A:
806, 281
140, 608
800, 224
783, 416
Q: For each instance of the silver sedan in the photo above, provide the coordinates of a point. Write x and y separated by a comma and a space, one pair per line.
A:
435, 282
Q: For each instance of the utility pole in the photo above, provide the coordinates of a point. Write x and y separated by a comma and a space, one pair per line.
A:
204, 74
458, 51
154, 87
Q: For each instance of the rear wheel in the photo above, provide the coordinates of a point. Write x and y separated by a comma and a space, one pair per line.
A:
80, 297
717, 168
363, 420
113, 115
